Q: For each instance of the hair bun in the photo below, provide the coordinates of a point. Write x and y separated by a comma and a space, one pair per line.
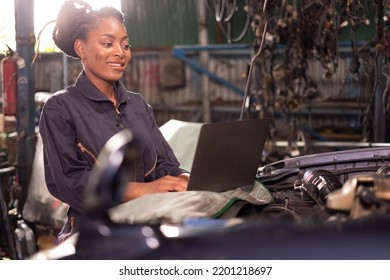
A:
68, 19
75, 19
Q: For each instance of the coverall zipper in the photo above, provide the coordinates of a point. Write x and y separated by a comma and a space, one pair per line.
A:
118, 117
85, 150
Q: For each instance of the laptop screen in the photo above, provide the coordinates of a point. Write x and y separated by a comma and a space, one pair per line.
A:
228, 154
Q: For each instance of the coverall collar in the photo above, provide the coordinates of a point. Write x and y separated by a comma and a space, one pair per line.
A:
90, 91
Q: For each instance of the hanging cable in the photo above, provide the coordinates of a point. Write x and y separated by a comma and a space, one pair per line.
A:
219, 9
246, 94
38, 42
231, 10
245, 30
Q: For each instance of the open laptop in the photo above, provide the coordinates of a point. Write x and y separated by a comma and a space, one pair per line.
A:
228, 154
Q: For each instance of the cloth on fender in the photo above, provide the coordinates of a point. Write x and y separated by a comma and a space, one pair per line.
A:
175, 207
40, 206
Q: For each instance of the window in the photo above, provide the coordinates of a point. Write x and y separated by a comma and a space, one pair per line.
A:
44, 12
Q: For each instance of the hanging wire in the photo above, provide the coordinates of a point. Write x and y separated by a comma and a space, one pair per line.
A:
38, 41
231, 12
219, 10
245, 30
246, 94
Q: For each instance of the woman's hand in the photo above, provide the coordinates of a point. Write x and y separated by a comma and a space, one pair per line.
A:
164, 184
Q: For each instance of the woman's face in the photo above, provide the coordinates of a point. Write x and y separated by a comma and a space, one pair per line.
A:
106, 52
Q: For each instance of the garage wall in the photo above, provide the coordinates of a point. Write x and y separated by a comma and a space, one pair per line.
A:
174, 89
156, 23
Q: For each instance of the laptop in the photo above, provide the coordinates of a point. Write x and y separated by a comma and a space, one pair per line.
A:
228, 154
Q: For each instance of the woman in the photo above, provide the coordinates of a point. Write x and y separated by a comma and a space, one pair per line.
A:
77, 121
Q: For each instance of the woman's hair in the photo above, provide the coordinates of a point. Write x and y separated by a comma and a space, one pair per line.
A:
75, 19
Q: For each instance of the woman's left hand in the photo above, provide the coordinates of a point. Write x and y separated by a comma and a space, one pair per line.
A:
164, 184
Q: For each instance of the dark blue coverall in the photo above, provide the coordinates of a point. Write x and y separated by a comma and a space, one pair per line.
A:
75, 124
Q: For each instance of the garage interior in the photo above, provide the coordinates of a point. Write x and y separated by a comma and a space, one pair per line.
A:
318, 69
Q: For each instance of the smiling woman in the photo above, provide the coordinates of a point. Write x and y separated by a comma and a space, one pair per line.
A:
77, 121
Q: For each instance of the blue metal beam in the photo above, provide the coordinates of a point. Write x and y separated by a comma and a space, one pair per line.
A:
25, 41
181, 53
